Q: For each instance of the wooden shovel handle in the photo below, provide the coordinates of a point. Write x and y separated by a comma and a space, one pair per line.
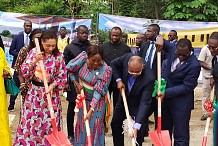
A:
158, 89
46, 87
85, 113
127, 113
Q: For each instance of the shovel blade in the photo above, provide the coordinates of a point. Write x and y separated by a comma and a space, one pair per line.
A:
160, 139
204, 141
58, 139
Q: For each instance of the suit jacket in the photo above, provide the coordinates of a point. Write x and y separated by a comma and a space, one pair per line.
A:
181, 82
215, 77
16, 45
139, 98
142, 53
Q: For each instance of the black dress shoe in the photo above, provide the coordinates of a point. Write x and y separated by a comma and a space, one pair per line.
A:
71, 139
10, 109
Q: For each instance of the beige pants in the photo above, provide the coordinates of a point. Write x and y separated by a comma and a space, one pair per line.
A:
206, 90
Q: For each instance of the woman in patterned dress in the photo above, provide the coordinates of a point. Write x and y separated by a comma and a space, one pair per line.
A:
35, 123
95, 76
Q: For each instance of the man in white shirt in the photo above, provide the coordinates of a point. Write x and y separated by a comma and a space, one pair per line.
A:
205, 59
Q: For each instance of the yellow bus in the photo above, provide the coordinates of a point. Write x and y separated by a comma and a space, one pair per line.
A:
198, 37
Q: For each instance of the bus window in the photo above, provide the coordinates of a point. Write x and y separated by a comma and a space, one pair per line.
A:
186, 36
207, 37
202, 37
193, 38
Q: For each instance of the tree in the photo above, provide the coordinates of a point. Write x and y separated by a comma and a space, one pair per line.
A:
195, 10
6, 33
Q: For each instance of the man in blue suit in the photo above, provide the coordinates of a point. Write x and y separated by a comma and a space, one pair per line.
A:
19, 41
137, 79
181, 74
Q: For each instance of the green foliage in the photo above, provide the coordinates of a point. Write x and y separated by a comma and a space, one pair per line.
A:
6, 33
195, 10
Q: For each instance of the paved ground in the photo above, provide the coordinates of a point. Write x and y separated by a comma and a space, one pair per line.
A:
196, 126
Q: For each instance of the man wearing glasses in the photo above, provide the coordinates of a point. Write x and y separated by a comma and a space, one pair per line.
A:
213, 47
181, 75
137, 79
172, 36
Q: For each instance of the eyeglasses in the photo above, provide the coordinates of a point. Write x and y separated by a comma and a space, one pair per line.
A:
212, 48
183, 54
134, 73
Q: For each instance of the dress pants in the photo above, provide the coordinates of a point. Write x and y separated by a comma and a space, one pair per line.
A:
113, 89
13, 98
70, 118
177, 122
117, 122
152, 109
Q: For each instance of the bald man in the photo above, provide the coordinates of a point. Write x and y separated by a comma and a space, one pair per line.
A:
131, 73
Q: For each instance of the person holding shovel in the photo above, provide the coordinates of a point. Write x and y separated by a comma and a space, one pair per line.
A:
181, 75
94, 75
35, 124
131, 74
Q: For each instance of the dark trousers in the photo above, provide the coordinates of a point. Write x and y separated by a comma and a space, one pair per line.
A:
116, 94
17, 82
70, 118
177, 122
216, 90
152, 109
116, 125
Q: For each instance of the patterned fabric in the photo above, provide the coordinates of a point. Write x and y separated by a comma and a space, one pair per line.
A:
35, 123
20, 59
5, 134
100, 80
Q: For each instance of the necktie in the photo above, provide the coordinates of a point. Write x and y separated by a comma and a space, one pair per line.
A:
150, 55
214, 61
178, 64
26, 40
131, 82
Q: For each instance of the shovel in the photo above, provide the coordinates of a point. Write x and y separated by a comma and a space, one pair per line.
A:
88, 132
129, 119
76, 110
56, 138
204, 141
159, 137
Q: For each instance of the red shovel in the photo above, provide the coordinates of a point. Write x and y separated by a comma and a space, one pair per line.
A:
159, 137
204, 141
56, 138
88, 131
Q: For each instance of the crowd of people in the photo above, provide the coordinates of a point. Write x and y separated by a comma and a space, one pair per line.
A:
98, 70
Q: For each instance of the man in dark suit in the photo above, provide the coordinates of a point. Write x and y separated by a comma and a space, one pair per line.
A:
19, 41
81, 43
181, 75
113, 49
140, 40
137, 79
148, 52
213, 47
172, 36
1, 44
